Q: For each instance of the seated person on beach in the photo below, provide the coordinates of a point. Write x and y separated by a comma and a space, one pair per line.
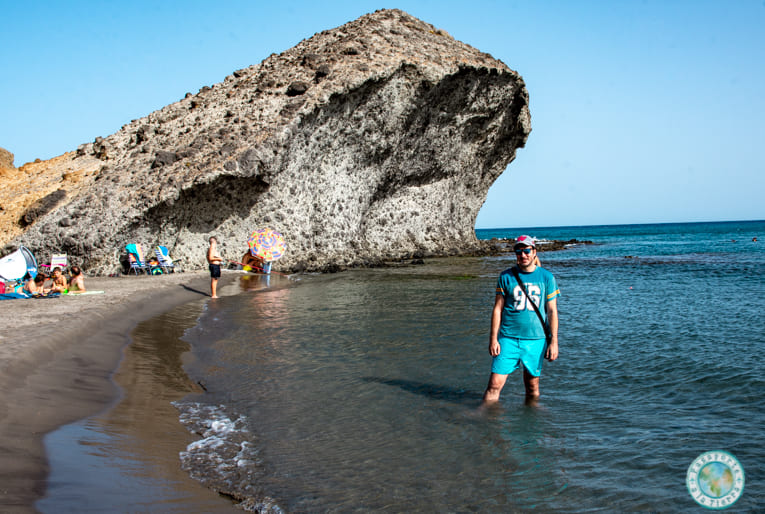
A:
250, 260
40, 282
77, 284
59, 281
33, 286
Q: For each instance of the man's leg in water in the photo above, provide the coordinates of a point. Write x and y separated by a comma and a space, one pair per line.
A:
532, 384
496, 383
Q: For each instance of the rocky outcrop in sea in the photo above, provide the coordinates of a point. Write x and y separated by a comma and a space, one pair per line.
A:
376, 140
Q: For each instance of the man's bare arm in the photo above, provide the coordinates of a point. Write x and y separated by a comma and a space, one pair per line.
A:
552, 321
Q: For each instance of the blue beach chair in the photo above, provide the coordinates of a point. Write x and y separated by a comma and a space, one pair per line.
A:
163, 256
136, 259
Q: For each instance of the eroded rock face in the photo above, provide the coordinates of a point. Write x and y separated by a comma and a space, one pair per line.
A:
6, 159
375, 140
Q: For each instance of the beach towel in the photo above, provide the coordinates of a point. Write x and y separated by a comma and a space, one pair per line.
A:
12, 296
16, 296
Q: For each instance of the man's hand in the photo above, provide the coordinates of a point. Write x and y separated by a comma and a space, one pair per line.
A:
494, 348
552, 350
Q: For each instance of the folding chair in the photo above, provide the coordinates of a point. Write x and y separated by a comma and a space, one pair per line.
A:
58, 260
163, 256
136, 259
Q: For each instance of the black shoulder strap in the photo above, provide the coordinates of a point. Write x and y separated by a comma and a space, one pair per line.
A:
536, 309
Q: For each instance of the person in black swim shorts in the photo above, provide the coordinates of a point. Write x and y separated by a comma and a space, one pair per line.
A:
214, 261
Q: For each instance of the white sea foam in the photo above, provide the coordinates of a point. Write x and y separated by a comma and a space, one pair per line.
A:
224, 459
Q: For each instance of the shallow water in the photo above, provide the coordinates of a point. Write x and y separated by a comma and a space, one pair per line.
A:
361, 391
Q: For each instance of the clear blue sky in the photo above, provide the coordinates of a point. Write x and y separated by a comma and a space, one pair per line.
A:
642, 111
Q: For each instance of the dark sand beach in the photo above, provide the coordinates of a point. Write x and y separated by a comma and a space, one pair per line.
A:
58, 359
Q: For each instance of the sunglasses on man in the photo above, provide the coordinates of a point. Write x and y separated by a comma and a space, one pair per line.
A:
527, 251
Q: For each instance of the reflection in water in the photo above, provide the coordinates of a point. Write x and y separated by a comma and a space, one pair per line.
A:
254, 282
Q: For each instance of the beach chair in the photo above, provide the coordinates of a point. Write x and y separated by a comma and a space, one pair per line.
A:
136, 259
58, 260
135, 266
163, 256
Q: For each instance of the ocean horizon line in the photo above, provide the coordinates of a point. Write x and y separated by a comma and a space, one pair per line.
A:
663, 223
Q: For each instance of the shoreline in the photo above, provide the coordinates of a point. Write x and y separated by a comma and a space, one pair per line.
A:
58, 361
58, 358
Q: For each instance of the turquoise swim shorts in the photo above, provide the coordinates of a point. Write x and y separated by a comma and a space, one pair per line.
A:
513, 351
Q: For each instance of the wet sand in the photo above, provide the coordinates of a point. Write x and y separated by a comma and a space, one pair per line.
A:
58, 358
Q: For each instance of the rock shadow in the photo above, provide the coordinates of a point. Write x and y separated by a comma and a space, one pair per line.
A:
204, 207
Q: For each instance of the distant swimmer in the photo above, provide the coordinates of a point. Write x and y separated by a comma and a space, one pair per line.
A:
754, 239
519, 329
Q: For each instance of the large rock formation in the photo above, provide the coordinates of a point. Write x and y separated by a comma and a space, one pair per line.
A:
375, 140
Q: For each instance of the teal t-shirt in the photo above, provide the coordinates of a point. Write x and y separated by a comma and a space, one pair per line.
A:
518, 317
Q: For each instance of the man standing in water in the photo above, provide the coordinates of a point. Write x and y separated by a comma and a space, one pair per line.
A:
517, 335
214, 260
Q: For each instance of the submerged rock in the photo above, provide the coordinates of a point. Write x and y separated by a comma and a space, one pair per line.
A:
377, 140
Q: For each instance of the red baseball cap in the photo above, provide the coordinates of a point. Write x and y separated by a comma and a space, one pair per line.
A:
525, 241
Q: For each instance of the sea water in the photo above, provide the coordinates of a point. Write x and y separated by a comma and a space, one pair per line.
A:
361, 391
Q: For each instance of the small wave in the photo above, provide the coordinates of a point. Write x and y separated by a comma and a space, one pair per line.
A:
224, 459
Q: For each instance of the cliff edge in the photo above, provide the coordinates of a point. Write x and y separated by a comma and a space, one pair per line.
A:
375, 140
